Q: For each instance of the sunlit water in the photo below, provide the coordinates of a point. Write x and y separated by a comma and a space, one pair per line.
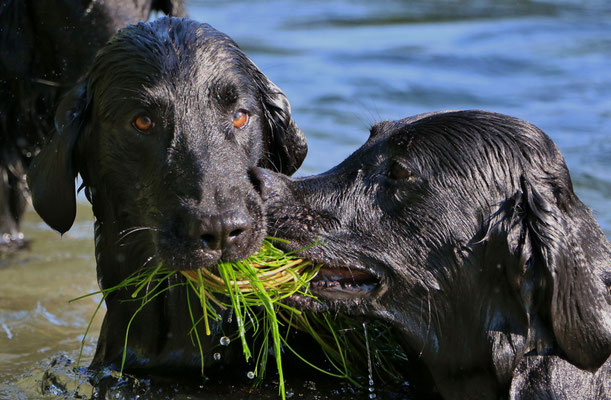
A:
345, 65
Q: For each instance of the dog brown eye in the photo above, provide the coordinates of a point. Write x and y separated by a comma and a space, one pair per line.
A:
398, 171
240, 119
143, 123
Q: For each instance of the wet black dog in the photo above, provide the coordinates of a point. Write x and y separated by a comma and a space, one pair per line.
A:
45, 46
462, 230
164, 132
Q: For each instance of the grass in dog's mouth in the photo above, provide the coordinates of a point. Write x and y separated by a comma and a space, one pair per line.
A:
254, 289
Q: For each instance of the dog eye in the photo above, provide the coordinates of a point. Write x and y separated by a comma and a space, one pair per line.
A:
143, 123
240, 119
398, 171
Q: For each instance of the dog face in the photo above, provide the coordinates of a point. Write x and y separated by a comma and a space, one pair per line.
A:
164, 130
462, 230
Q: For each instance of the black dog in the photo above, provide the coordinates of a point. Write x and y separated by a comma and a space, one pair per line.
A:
462, 230
164, 132
45, 46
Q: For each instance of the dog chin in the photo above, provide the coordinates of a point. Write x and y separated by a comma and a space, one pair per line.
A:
181, 257
320, 302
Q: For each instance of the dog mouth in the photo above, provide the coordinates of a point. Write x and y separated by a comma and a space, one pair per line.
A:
343, 283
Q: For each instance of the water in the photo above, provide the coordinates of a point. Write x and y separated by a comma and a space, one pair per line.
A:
345, 65
371, 388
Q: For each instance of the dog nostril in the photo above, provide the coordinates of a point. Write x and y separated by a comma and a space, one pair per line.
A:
235, 232
208, 239
262, 181
222, 231
254, 180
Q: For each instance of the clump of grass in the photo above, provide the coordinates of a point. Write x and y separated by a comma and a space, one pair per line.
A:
259, 282
253, 289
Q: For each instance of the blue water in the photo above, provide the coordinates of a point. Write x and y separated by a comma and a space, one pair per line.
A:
345, 64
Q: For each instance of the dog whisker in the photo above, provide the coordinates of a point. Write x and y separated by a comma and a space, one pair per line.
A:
126, 232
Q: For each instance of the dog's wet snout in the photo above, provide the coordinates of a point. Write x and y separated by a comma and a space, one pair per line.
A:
222, 231
263, 181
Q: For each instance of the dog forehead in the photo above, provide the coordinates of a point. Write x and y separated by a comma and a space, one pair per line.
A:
170, 61
451, 130
382, 129
168, 45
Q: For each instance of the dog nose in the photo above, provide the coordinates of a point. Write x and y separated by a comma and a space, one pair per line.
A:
223, 231
263, 181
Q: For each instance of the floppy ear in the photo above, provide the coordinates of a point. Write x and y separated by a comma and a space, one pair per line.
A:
52, 172
285, 144
566, 247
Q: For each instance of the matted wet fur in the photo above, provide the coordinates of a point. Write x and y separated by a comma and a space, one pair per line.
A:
45, 46
152, 131
463, 231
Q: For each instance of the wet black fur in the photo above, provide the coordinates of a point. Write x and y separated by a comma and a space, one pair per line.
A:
45, 46
151, 191
494, 274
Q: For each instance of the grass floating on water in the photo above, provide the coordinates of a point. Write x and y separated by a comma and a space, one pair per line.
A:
253, 289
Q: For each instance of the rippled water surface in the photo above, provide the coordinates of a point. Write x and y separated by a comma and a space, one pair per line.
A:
345, 65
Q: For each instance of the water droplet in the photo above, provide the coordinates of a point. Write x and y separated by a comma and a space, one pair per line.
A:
372, 395
230, 316
217, 356
250, 375
225, 341
369, 366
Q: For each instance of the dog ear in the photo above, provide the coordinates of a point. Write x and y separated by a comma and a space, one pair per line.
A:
53, 171
285, 144
554, 235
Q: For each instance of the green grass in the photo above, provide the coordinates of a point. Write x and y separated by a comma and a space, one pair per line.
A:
254, 289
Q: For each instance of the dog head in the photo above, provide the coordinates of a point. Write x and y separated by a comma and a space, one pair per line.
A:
462, 230
171, 117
